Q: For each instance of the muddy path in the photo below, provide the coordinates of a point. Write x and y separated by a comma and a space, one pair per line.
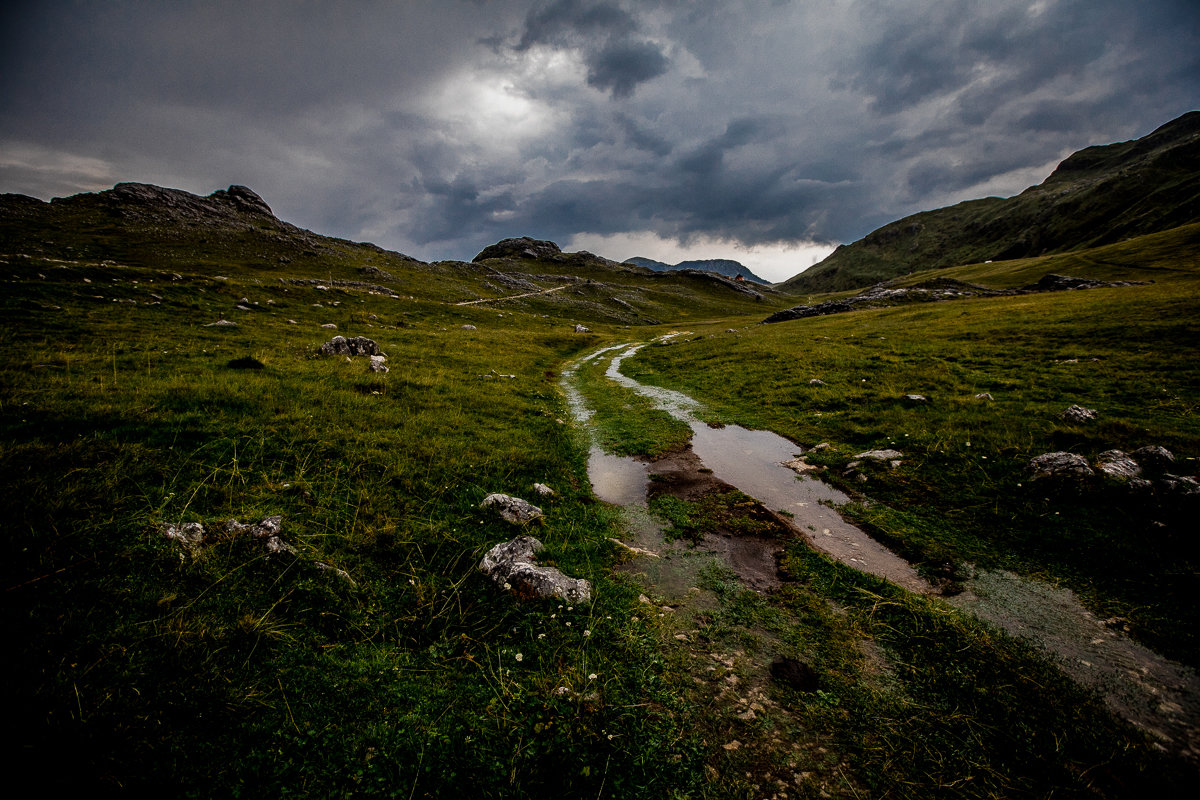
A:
1159, 696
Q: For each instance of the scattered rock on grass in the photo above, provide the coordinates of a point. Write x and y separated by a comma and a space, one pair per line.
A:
1154, 457
354, 346
1060, 465
188, 534
1079, 414
191, 534
266, 529
377, 364
1118, 464
221, 323
880, 455
582, 329
511, 565
341, 573
799, 465
512, 509
543, 490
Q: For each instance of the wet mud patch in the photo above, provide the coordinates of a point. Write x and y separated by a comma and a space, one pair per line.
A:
719, 519
1157, 695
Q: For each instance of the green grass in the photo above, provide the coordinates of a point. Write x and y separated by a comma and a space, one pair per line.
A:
209, 674
228, 671
962, 492
624, 422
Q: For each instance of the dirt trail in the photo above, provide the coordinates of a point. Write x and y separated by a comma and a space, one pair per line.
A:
1155, 694
510, 297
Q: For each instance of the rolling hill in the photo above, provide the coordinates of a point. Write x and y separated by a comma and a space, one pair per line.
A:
1097, 196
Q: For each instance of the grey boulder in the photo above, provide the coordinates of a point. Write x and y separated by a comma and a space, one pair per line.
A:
512, 509
512, 566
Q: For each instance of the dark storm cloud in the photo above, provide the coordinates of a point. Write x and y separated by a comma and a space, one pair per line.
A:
439, 127
620, 66
617, 61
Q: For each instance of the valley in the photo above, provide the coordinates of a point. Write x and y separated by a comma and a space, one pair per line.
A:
232, 560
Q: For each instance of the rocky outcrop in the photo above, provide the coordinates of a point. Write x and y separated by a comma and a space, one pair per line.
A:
512, 567
523, 247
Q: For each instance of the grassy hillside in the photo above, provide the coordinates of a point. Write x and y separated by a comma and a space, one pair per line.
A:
375, 659
963, 493
1097, 196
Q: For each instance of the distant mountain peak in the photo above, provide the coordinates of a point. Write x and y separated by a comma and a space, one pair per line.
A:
722, 266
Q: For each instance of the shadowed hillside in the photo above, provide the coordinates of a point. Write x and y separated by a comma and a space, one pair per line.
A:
1097, 196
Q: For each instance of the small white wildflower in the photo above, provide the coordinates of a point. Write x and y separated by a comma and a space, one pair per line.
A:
552, 616
568, 624
541, 636
507, 586
519, 656
587, 633
569, 608
633, 619
593, 676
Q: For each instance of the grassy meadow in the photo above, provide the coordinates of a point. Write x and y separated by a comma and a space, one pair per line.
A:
962, 493
229, 671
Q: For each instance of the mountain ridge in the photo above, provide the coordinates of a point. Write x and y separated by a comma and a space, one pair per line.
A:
1096, 196
722, 266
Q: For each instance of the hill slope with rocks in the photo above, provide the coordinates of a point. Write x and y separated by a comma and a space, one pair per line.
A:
234, 229
1099, 195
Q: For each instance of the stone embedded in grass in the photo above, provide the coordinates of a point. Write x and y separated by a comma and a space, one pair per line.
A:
354, 346
469, 328
543, 490
188, 534
985, 396
512, 566
377, 364
221, 323
266, 529
341, 573
512, 509
330, 326
880, 455
582, 329
916, 398
817, 382
1079, 414
1060, 465
799, 465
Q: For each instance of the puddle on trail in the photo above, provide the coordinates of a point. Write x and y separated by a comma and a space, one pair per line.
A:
750, 461
1159, 696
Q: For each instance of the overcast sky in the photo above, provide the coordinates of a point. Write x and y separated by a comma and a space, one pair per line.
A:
761, 130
